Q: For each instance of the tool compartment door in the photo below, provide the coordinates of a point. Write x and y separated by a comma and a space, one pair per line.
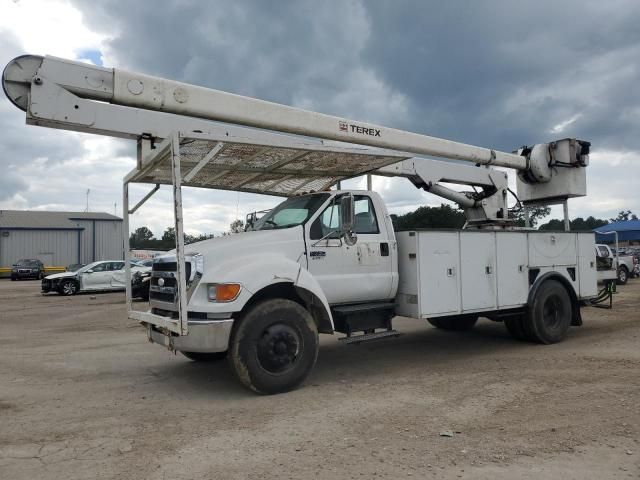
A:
587, 272
438, 273
478, 270
512, 278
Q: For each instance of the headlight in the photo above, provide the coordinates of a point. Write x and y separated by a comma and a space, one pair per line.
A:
223, 292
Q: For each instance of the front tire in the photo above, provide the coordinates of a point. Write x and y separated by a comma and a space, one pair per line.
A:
454, 324
205, 357
549, 316
623, 275
68, 287
274, 346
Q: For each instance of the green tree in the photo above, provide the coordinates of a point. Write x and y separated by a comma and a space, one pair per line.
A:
236, 226
624, 216
444, 216
535, 214
140, 237
169, 235
577, 224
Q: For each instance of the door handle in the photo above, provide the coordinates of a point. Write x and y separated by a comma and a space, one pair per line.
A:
384, 249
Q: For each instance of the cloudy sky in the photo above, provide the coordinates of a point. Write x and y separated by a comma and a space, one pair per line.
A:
498, 74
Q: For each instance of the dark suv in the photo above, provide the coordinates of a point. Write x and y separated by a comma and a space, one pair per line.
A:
27, 268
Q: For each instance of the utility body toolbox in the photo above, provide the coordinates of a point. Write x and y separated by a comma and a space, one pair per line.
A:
446, 272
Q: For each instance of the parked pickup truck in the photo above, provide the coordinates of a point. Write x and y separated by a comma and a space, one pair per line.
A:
626, 266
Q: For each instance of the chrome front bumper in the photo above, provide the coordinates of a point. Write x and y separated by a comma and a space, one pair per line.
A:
204, 336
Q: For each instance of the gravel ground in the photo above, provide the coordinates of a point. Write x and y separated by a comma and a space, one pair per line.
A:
84, 395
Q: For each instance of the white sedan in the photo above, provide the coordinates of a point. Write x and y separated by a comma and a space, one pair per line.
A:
97, 276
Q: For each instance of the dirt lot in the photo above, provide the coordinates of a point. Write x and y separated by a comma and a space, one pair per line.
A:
83, 395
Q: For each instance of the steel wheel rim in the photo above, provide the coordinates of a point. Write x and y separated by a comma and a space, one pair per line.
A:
279, 348
553, 312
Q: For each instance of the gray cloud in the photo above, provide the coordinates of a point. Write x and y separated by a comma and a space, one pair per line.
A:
10, 184
503, 73
494, 73
20, 145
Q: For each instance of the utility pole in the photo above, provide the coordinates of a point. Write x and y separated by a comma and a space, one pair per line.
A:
87, 207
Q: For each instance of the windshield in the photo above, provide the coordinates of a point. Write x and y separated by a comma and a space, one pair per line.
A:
27, 263
291, 213
88, 267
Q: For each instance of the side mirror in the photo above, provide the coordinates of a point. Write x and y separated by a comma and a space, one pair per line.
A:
347, 219
89, 271
346, 213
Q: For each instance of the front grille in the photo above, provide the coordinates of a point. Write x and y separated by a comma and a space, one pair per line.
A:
164, 267
165, 273
161, 296
163, 287
171, 267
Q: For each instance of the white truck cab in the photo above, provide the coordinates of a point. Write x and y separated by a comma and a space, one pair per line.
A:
298, 250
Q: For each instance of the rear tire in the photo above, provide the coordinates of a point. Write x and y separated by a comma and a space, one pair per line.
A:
205, 357
454, 324
623, 275
549, 316
274, 346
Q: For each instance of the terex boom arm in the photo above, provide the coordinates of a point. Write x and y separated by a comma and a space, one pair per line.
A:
30, 81
77, 96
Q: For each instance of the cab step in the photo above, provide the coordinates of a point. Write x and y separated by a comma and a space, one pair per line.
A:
368, 337
363, 317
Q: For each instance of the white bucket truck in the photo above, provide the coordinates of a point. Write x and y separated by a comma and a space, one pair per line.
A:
323, 260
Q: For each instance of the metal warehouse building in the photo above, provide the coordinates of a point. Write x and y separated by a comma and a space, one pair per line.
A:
59, 238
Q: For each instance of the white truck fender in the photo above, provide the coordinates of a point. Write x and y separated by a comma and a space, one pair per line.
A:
262, 273
307, 286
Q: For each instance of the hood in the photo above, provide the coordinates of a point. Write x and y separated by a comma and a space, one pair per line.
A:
140, 270
226, 252
239, 242
60, 275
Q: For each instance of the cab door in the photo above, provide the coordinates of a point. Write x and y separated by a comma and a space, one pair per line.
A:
325, 252
368, 265
350, 274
